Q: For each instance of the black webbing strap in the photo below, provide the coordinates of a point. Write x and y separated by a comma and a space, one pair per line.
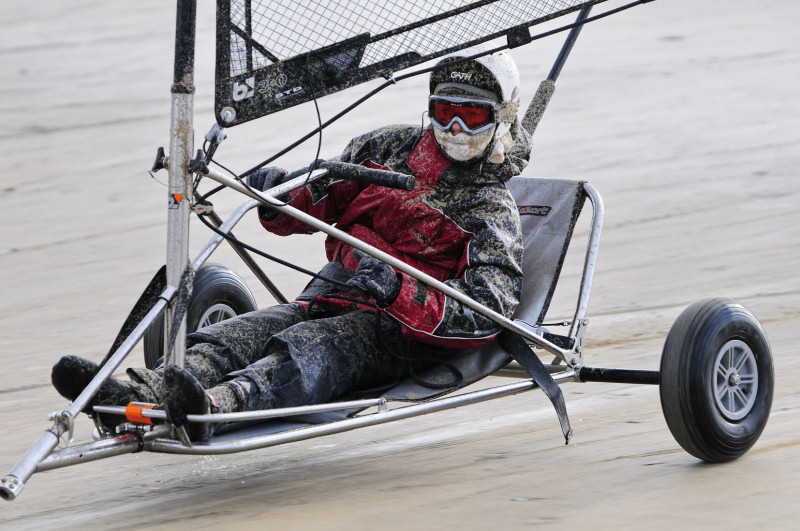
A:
522, 353
145, 303
181, 305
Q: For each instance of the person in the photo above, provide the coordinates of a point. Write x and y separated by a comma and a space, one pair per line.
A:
364, 324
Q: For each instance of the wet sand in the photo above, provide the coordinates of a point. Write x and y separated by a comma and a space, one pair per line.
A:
682, 114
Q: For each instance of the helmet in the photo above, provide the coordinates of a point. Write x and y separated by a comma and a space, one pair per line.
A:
482, 96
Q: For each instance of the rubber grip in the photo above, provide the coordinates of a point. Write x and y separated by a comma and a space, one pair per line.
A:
362, 174
539, 103
293, 175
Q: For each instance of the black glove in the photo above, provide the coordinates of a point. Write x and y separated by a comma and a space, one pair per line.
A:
264, 179
376, 278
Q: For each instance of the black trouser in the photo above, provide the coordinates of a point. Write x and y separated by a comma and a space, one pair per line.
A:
285, 357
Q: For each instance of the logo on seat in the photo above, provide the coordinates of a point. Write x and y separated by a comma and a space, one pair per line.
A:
534, 210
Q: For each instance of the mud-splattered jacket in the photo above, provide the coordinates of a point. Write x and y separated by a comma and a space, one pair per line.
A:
459, 225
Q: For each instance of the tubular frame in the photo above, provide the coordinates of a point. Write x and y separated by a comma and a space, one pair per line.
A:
43, 455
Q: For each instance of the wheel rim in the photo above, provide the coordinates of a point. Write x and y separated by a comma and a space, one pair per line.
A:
215, 314
735, 380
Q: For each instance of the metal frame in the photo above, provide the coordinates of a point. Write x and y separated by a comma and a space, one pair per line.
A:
42, 455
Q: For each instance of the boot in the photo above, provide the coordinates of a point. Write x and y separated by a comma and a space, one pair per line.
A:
72, 374
184, 395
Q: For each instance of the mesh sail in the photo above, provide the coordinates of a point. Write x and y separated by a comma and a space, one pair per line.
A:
274, 54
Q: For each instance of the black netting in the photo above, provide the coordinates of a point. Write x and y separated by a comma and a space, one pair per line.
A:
272, 54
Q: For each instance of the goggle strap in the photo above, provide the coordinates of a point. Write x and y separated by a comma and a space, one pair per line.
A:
507, 111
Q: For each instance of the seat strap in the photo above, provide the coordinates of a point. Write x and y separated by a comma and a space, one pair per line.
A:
522, 353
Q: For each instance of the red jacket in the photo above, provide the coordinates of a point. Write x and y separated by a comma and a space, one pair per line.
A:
459, 225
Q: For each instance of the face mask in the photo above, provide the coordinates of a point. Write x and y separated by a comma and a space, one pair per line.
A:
501, 146
463, 146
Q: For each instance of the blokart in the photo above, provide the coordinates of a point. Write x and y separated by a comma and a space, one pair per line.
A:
715, 377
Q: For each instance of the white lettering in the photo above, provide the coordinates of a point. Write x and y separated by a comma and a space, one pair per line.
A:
461, 76
291, 92
277, 82
244, 91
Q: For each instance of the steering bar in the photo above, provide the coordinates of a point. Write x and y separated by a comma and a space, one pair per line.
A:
361, 174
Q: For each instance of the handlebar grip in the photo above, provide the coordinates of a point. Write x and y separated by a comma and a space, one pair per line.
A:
362, 174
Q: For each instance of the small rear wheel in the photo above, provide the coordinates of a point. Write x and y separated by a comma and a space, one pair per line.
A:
218, 293
716, 380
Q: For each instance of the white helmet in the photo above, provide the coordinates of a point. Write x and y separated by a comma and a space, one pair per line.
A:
482, 96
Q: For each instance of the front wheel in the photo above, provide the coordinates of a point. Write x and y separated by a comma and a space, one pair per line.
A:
218, 293
717, 380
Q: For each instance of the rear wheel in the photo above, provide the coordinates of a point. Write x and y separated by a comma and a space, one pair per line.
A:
716, 380
218, 293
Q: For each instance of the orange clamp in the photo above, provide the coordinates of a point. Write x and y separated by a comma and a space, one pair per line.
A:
133, 412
